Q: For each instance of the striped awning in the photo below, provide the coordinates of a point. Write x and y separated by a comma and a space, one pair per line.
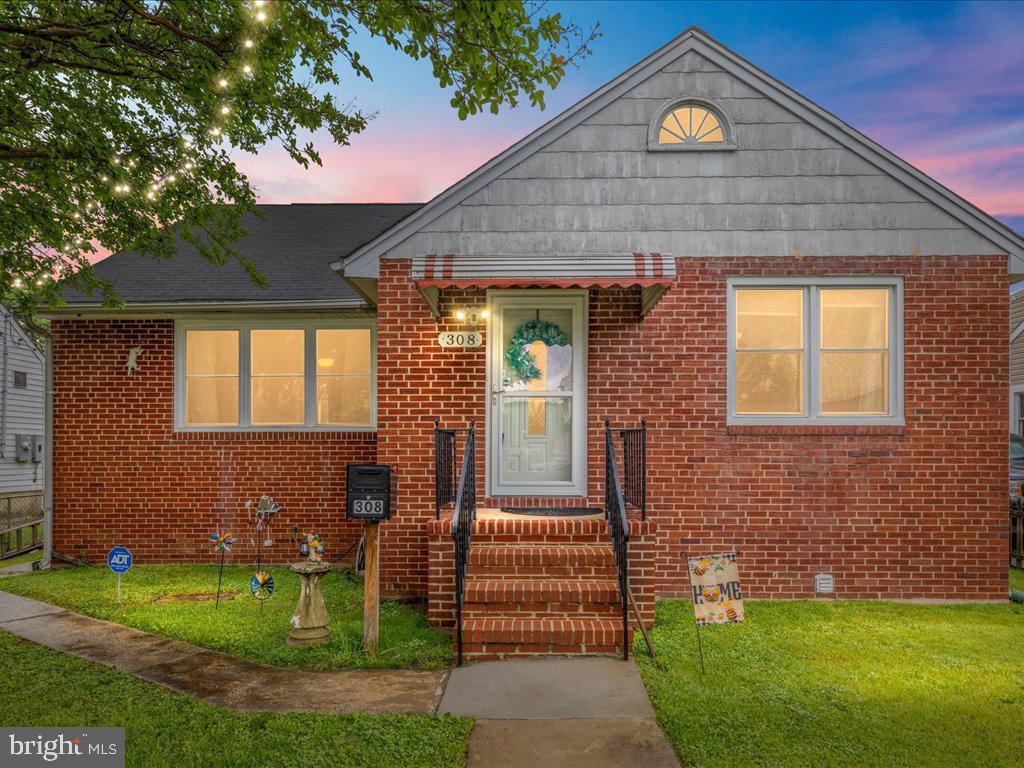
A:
559, 271
652, 272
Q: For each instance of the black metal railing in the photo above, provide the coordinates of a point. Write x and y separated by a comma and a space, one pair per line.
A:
444, 467
1017, 532
634, 467
618, 525
463, 516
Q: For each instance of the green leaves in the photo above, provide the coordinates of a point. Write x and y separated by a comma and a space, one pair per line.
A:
113, 134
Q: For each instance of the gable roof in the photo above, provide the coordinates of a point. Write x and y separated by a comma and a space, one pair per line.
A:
292, 245
363, 261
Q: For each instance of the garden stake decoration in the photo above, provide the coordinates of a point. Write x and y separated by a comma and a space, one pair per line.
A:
717, 599
221, 540
262, 586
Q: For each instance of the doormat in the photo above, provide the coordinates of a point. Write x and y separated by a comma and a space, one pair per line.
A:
553, 511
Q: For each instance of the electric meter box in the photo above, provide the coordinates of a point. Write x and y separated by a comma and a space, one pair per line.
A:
369, 492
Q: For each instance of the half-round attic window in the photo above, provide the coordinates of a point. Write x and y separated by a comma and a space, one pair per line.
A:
690, 124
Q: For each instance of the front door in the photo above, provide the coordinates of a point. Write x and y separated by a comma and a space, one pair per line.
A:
537, 372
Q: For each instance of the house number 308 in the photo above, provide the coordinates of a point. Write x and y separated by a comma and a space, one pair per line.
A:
459, 339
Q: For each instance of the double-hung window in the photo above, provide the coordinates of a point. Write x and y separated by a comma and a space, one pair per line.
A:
275, 375
815, 350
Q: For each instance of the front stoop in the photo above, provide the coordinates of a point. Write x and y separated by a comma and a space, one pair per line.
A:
538, 586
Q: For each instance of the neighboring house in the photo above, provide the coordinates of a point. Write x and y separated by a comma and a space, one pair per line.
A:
813, 330
21, 416
1017, 363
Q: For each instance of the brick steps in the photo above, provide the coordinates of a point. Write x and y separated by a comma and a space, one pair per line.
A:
541, 598
501, 637
539, 586
541, 560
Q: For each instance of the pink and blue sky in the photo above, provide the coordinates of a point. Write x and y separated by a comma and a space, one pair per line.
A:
940, 84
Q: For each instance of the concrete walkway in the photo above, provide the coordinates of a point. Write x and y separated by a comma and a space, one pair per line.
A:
557, 713
216, 677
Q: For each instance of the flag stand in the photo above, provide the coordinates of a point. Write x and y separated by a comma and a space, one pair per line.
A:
700, 646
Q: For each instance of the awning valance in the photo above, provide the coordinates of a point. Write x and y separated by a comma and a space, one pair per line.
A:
652, 272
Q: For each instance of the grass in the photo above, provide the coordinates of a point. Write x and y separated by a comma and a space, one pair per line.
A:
164, 729
28, 557
241, 626
1017, 579
842, 684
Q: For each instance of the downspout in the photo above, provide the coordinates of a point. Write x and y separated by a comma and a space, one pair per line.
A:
47, 452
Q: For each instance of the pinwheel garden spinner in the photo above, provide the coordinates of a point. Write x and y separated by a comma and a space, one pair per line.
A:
262, 585
222, 541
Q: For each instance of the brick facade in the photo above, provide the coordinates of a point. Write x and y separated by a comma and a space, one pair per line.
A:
123, 476
916, 511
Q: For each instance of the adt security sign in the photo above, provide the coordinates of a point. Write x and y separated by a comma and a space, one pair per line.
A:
119, 559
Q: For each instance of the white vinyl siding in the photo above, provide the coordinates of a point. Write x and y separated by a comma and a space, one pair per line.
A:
22, 411
279, 375
815, 350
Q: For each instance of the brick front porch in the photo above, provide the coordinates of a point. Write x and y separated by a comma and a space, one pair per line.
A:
539, 585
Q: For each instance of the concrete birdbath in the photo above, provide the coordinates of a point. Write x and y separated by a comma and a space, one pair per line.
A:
310, 622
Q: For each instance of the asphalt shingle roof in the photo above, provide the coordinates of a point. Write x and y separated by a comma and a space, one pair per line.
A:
293, 246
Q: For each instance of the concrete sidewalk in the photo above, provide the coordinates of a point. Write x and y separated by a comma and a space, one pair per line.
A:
216, 677
557, 713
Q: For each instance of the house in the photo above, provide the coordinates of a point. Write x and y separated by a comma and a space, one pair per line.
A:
21, 424
812, 329
1017, 363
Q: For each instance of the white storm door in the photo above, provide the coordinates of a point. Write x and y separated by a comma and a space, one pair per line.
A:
537, 374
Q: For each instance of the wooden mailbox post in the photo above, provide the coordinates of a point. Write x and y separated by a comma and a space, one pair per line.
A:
368, 497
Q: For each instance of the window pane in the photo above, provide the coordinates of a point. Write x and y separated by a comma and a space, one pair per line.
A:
211, 353
854, 382
343, 350
769, 382
211, 402
769, 319
278, 400
343, 400
276, 353
855, 318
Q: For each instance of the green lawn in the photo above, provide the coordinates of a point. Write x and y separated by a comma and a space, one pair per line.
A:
842, 684
241, 626
28, 557
40, 687
1017, 579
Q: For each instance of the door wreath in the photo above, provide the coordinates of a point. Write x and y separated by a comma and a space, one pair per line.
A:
518, 361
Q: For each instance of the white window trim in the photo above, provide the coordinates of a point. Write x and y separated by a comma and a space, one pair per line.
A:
812, 349
1015, 389
244, 326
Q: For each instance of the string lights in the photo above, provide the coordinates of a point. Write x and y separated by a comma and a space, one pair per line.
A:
120, 189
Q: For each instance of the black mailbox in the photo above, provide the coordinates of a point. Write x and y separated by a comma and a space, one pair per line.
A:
369, 492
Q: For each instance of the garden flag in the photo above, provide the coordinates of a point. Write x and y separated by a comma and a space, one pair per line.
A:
715, 580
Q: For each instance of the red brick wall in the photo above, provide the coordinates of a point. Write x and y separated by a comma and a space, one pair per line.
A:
123, 476
893, 512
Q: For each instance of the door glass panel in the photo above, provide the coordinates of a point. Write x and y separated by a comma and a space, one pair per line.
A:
537, 352
537, 445
535, 396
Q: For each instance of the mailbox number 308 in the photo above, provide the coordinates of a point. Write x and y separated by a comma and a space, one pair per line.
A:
368, 506
459, 339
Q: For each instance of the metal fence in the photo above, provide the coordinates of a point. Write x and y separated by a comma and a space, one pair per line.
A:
21, 523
